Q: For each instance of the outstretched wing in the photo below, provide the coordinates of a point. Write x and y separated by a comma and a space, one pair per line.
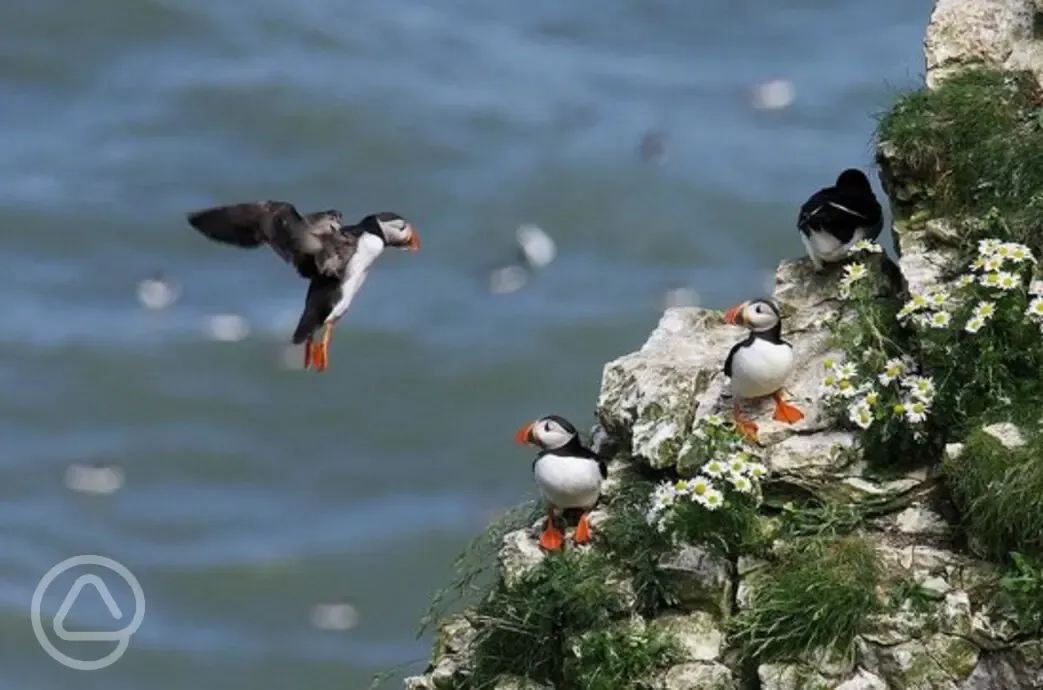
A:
335, 251
292, 236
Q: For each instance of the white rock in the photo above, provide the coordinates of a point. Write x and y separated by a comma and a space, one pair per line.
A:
918, 519
996, 33
863, 680
1006, 433
518, 555
696, 633
699, 676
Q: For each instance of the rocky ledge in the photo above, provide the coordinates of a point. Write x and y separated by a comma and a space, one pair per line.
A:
872, 553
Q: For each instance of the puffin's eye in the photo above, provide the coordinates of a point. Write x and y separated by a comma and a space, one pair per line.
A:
546, 427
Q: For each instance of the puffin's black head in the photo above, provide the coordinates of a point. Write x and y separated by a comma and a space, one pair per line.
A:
758, 315
393, 229
549, 433
853, 178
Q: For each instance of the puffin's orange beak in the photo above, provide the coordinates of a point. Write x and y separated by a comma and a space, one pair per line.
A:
524, 435
734, 315
414, 240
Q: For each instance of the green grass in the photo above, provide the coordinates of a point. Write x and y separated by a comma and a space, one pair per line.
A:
621, 656
638, 546
818, 596
527, 630
1020, 593
973, 144
999, 493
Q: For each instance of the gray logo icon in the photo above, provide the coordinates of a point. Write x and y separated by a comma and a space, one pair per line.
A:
120, 637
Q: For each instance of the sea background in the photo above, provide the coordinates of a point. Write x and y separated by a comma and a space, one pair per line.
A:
249, 492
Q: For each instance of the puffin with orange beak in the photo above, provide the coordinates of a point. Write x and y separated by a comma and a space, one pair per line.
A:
568, 474
334, 256
760, 364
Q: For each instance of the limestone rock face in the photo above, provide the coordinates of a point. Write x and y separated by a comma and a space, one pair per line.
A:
997, 33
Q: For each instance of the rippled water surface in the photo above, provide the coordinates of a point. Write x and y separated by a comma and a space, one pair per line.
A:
252, 491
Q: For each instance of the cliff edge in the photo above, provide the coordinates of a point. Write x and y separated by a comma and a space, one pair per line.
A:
893, 538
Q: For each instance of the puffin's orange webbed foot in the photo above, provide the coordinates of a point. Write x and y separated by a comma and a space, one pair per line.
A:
744, 426
583, 530
320, 356
552, 538
307, 354
784, 412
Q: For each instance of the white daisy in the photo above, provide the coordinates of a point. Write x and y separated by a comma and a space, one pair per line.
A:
854, 272
993, 263
920, 387
741, 483
846, 389
893, 368
978, 264
737, 465
699, 486
964, 280
915, 411
1008, 281
714, 420
938, 298
871, 398
1035, 308
867, 246
757, 470
974, 324
940, 319
1003, 250
712, 499
846, 370
860, 414
714, 468
985, 309
683, 487
990, 280
829, 383
1020, 253
988, 247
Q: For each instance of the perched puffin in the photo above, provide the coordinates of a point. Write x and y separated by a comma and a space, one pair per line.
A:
760, 364
837, 217
568, 474
334, 256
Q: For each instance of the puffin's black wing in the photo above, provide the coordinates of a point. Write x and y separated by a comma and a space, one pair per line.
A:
731, 356
603, 468
242, 225
839, 213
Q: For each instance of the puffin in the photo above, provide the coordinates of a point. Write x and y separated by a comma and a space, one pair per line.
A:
568, 474
333, 256
834, 218
760, 364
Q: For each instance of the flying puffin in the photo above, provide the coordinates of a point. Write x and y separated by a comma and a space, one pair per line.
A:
334, 256
568, 474
837, 217
760, 364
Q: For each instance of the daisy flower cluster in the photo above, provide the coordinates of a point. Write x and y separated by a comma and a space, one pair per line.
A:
894, 392
853, 273
997, 272
730, 470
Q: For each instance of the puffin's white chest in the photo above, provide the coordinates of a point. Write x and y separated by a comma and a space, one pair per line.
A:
568, 482
825, 247
761, 368
370, 247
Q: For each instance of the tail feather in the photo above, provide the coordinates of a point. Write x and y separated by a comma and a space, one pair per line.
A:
238, 224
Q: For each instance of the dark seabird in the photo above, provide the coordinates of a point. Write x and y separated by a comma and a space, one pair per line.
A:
568, 474
760, 364
334, 257
835, 218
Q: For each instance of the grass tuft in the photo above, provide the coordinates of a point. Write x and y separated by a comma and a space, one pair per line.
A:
621, 656
525, 630
1020, 593
819, 596
999, 492
974, 143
